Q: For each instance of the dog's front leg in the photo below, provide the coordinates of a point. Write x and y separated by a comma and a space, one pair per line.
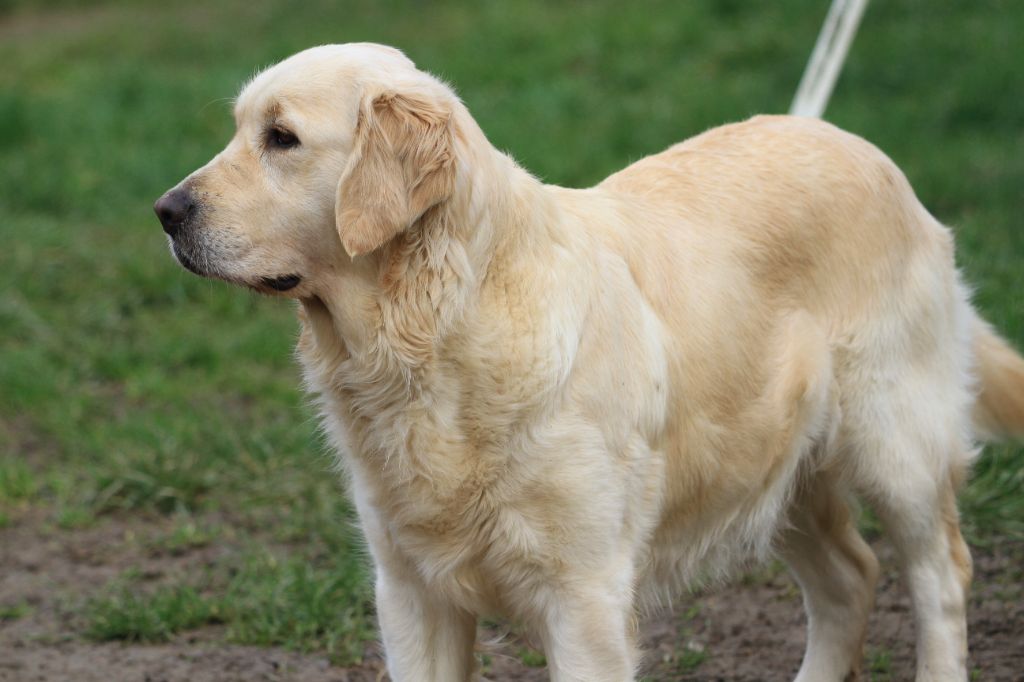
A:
425, 639
588, 632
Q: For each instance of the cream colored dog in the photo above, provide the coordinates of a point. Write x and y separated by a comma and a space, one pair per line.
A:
557, 404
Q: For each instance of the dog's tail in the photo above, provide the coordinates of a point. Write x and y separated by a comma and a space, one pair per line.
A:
999, 408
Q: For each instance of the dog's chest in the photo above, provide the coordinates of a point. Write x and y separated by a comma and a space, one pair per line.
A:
452, 481
442, 502
474, 471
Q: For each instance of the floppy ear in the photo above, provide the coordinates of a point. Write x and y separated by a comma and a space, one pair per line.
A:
402, 166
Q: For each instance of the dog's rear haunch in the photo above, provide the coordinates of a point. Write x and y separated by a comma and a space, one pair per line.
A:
555, 404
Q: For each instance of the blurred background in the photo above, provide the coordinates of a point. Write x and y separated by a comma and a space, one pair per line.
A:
162, 482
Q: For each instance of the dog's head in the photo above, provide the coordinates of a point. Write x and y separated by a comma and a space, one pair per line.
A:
337, 150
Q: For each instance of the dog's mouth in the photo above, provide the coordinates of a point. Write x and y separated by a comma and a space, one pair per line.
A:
282, 283
185, 260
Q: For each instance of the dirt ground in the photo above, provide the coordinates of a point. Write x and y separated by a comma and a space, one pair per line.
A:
750, 630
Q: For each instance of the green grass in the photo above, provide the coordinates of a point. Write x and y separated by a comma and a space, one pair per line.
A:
264, 600
131, 616
128, 387
691, 653
17, 482
532, 658
880, 664
993, 504
187, 535
293, 604
688, 660
14, 611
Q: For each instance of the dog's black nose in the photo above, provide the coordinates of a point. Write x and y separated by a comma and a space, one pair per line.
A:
173, 209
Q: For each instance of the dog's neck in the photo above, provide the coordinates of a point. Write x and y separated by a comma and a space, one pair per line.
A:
383, 317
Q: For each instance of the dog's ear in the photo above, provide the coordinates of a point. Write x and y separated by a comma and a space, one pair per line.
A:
403, 164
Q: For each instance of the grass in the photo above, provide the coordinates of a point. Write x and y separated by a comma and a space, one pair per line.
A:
14, 611
187, 535
689, 659
690, 654
134, 617
532, 658
17, 481
880, 665
293, 604
263, 599
128, 387
992, 505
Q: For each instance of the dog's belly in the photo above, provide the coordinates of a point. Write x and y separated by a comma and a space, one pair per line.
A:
730, 473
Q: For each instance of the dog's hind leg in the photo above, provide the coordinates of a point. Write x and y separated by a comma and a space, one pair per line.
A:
908, 452
837, 572
936, 563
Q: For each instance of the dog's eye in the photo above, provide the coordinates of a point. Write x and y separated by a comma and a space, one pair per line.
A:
281, 138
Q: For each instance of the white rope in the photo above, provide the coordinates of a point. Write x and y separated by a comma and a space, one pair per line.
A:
827, 58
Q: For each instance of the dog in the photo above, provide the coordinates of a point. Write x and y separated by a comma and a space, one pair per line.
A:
560, 405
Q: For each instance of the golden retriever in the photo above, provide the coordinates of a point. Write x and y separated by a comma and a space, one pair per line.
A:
558, 405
